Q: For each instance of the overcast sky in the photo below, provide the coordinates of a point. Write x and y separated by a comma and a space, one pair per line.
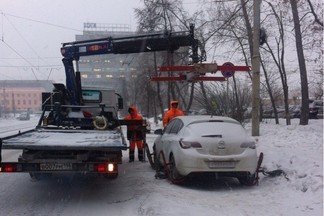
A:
32, 31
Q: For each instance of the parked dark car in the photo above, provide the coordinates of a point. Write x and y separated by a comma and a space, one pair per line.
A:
315, 109
24, 116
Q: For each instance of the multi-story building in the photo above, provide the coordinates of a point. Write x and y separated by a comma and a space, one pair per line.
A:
21, 95
108, 71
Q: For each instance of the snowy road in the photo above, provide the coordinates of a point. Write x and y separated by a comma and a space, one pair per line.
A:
298, 150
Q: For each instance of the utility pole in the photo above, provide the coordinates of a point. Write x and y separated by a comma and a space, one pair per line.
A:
256, 70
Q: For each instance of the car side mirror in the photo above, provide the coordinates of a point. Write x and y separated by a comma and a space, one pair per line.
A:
158, 131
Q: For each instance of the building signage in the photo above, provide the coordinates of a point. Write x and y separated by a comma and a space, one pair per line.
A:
90, 25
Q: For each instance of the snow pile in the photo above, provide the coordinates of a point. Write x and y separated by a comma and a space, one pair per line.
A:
298, 150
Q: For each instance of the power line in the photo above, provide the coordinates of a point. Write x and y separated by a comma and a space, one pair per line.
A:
46, 23
31, 58
24, 39
8, 76
21, 57
27, 66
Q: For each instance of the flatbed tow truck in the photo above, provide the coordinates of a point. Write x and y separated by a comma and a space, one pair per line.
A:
79, 130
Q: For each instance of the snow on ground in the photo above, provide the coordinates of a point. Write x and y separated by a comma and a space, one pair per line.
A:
298, 150
11, 125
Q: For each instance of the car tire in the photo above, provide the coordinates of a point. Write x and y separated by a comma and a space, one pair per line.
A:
157, 165
173, 174
247, 179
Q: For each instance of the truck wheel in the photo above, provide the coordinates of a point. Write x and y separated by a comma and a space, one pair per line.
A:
110, 176
35, 176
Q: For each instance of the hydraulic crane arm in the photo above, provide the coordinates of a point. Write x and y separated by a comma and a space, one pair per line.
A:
167, 41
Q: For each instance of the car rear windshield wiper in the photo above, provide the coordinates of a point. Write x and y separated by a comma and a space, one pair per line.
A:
213, 135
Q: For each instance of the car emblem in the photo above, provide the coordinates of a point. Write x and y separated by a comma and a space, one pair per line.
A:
221, 144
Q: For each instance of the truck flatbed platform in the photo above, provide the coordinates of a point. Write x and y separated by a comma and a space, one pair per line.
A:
62, 139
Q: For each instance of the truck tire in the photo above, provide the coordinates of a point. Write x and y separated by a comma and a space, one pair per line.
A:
35, 176
110, 176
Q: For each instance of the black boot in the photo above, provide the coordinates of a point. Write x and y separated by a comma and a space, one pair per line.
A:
140, 155
131, 156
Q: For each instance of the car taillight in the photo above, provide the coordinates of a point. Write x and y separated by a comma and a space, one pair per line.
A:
189, 144
248, 145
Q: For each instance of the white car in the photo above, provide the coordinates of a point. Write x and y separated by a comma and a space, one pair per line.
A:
211, 144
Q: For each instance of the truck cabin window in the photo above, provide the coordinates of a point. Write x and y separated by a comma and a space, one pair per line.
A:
91, 96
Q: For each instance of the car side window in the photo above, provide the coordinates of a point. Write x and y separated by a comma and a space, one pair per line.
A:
167, 129
176, 127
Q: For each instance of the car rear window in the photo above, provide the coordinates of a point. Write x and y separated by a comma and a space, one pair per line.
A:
216, 128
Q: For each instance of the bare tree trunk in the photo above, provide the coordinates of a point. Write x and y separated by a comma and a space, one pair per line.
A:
248, 26
270, 92
208, 105
280, 62
302, 65
282, 59
238, 111
317, 20
192, 87
256, 70
160, 98
183, 99
243, 51
160, 101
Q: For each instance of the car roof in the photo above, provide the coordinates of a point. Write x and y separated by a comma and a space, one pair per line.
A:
203, 118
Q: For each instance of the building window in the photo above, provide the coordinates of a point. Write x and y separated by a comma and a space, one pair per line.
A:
98, 75
24, 102
109, 76
18, 102
35, 102
84, 75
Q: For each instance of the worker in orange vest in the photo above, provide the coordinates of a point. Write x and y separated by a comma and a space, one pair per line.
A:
135, 135
173, 112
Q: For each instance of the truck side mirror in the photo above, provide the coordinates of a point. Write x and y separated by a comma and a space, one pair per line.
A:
120, 103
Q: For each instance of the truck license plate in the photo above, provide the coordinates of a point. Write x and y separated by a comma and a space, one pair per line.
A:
221, 164
55, 166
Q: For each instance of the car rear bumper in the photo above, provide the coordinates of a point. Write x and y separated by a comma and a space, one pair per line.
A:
191, 161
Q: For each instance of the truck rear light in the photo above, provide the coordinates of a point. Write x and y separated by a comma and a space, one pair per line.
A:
101, 168
105, 167
187, 144
8, 168
110, 167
